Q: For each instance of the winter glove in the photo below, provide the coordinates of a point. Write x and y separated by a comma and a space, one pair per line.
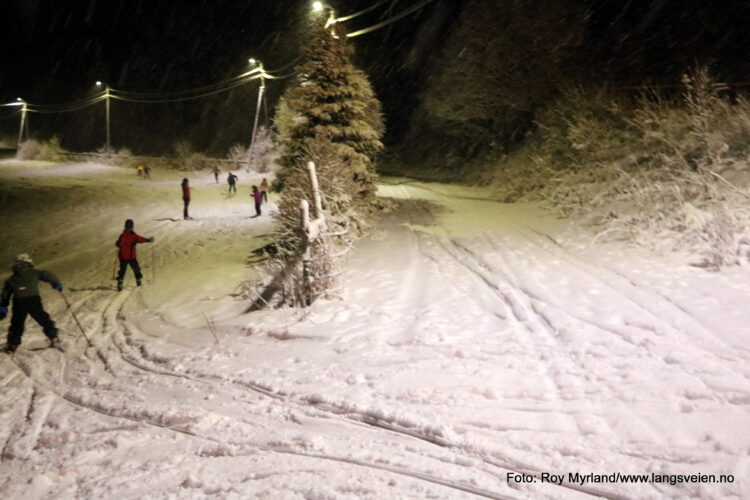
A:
58, 287
151, 239
3, 312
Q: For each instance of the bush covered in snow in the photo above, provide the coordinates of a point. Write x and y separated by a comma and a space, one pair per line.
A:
261, 157
188, 159
50, 150
661, 171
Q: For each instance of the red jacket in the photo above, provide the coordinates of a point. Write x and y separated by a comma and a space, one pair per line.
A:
126, 243
185, 192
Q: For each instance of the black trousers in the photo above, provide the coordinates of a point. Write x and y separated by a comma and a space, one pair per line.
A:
185, 202
29, 306
257, 209
232, 188
124, 267
265, 196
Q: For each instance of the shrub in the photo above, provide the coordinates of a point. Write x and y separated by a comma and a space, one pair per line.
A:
651, 170
50, 150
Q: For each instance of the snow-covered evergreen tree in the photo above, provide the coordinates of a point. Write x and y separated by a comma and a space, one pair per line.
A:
332, 102
331, 117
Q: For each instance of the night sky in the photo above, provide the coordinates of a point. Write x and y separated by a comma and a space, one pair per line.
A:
55, 51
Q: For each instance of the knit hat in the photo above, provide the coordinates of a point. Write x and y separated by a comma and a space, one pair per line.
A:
24, 257
129, 224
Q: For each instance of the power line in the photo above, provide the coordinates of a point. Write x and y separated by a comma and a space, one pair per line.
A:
230, 81
357, 14
145, 100
78, 102
32, 108
388, 21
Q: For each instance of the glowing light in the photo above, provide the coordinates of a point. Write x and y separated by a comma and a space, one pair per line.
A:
317, 6
252, 60
98, 83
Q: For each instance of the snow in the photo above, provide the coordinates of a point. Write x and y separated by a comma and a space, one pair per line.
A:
471, 339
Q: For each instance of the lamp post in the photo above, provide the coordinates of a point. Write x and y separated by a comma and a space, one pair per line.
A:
106, 96
258, 67
24, 108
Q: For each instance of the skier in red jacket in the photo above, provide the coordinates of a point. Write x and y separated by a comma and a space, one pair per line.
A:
185, 198
126, 243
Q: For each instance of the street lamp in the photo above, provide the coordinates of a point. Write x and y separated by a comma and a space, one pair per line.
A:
106, 95
24, 107
320, 6
258, 67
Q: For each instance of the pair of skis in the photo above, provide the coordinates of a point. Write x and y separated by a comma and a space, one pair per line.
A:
56, 345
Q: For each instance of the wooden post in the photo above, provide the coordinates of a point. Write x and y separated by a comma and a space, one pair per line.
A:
304, 213
317, 203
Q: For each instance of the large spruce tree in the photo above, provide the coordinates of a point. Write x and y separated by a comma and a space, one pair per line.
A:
332, 113
330, 116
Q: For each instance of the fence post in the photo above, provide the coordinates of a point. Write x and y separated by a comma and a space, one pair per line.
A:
304, 213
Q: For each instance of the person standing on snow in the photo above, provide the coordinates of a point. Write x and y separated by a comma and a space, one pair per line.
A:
147, 172
216, 174
264, 189
126, 243
258, 198
185, 198
232, 180
22, 286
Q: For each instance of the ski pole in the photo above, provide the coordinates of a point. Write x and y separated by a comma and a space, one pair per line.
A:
75, 318
153, 265
114, 266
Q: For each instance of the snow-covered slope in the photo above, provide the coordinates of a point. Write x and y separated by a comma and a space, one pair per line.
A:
472, 340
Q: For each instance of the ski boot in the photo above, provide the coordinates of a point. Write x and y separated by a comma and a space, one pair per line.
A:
119, 285
137, 282
54, 342
9, 348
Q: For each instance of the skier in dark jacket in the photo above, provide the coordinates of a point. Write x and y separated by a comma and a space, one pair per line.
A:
232, 181
126, 243
23, 287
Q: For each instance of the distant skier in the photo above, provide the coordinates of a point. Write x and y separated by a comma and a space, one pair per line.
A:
264, 189
258, 198
232, 180
185, 198
216, 174
126, 243
146, 172
23, 287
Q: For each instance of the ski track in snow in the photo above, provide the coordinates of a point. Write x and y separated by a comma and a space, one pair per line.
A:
487, 343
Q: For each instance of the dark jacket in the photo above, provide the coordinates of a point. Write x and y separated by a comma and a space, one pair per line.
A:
24, 282
126, 243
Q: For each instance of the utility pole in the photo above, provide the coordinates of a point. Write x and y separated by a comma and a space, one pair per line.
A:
106, 93
261, 91
23, 123
106, 98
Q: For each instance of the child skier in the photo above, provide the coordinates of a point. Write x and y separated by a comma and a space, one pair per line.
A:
23, 287
185, 198
126, 243
258, 198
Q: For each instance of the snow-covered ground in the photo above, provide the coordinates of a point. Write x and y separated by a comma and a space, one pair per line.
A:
473, 341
